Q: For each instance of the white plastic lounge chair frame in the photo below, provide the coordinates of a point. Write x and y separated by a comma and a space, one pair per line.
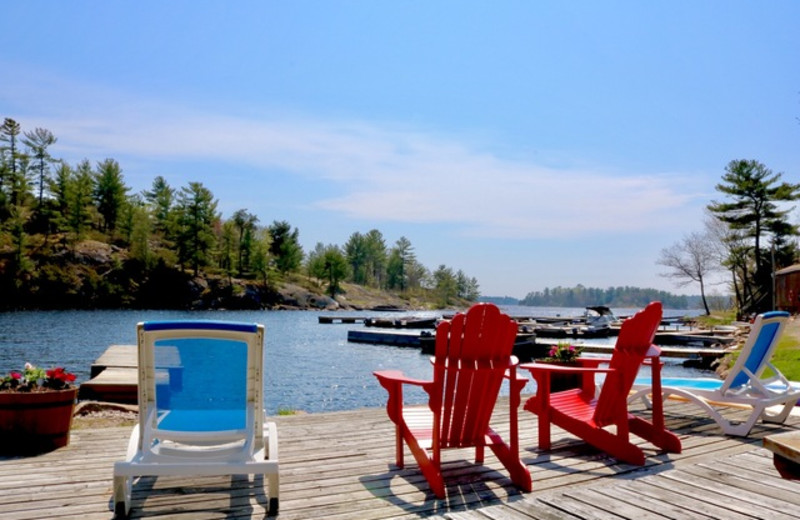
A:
250, 447
744, 384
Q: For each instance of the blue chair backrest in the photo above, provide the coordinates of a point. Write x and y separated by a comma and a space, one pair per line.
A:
201, 380
758, 357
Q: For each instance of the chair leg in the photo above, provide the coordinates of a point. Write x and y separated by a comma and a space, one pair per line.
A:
544, 430
122, 496
615, 444
398, 448
518, 472
779, 417
620, 449
273, 483
429, 469
662, 438
539, 405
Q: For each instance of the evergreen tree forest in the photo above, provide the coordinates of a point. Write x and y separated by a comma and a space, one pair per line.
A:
76, 236
620, 297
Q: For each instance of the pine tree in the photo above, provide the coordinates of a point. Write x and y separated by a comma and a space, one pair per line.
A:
39, 140
197, 215
285, 247
755, 192
109, 193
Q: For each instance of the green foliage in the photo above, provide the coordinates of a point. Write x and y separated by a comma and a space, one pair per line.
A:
285, 247
260, 258
468, 288
580, 296
752, 214
328, 263
245, 224
401, 257
367, 257
446, 288
109, 193
21, 264
161, 200
197, 214
79, 200
39, 140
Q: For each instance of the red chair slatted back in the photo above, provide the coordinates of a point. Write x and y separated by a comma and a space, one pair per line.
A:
473, 351
635, 338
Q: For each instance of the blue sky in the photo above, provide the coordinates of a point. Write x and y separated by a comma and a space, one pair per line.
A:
530, 144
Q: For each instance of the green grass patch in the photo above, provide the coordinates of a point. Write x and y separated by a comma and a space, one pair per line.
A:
787, 358
717, 318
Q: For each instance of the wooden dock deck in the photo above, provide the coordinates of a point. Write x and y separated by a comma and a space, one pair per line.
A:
337, 466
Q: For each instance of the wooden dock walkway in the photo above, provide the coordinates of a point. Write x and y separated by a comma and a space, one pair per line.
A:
114, 376
337, 466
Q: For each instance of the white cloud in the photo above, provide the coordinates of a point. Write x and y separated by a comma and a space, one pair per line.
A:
387, 173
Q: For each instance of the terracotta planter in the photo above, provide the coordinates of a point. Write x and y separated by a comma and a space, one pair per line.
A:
35, 422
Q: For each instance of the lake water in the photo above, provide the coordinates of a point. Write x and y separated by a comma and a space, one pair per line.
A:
308, 366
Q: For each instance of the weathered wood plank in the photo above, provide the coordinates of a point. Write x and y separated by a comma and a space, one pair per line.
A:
341, 466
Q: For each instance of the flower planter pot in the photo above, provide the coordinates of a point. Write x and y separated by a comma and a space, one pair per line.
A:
35, 422
559, 381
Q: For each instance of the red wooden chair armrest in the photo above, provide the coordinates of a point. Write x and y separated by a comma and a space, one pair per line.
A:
514, 377
396, 376
542, 367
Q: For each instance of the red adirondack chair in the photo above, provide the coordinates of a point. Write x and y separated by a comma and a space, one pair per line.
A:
473, 355
586, 415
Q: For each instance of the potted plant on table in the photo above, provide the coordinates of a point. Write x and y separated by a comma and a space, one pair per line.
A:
36, 407
564, 353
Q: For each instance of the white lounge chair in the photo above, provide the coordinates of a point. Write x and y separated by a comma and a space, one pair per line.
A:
744, 385
200, 406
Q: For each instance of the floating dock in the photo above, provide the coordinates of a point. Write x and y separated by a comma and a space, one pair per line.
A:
114, 377
403, 322
341, 319
396, 338
527, 346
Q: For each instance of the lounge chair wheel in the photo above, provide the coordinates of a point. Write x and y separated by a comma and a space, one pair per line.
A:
119, 511
273, 507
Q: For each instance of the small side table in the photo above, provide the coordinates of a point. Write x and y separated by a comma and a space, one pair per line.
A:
785, 448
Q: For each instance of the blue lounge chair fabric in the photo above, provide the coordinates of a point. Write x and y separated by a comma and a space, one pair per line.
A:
746, 383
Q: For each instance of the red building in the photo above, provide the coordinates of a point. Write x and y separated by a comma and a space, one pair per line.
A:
787, 289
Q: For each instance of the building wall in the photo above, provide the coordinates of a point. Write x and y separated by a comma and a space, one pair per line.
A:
787, 289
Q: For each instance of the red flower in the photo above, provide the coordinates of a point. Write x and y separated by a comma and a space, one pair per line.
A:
59, 374
16, 375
